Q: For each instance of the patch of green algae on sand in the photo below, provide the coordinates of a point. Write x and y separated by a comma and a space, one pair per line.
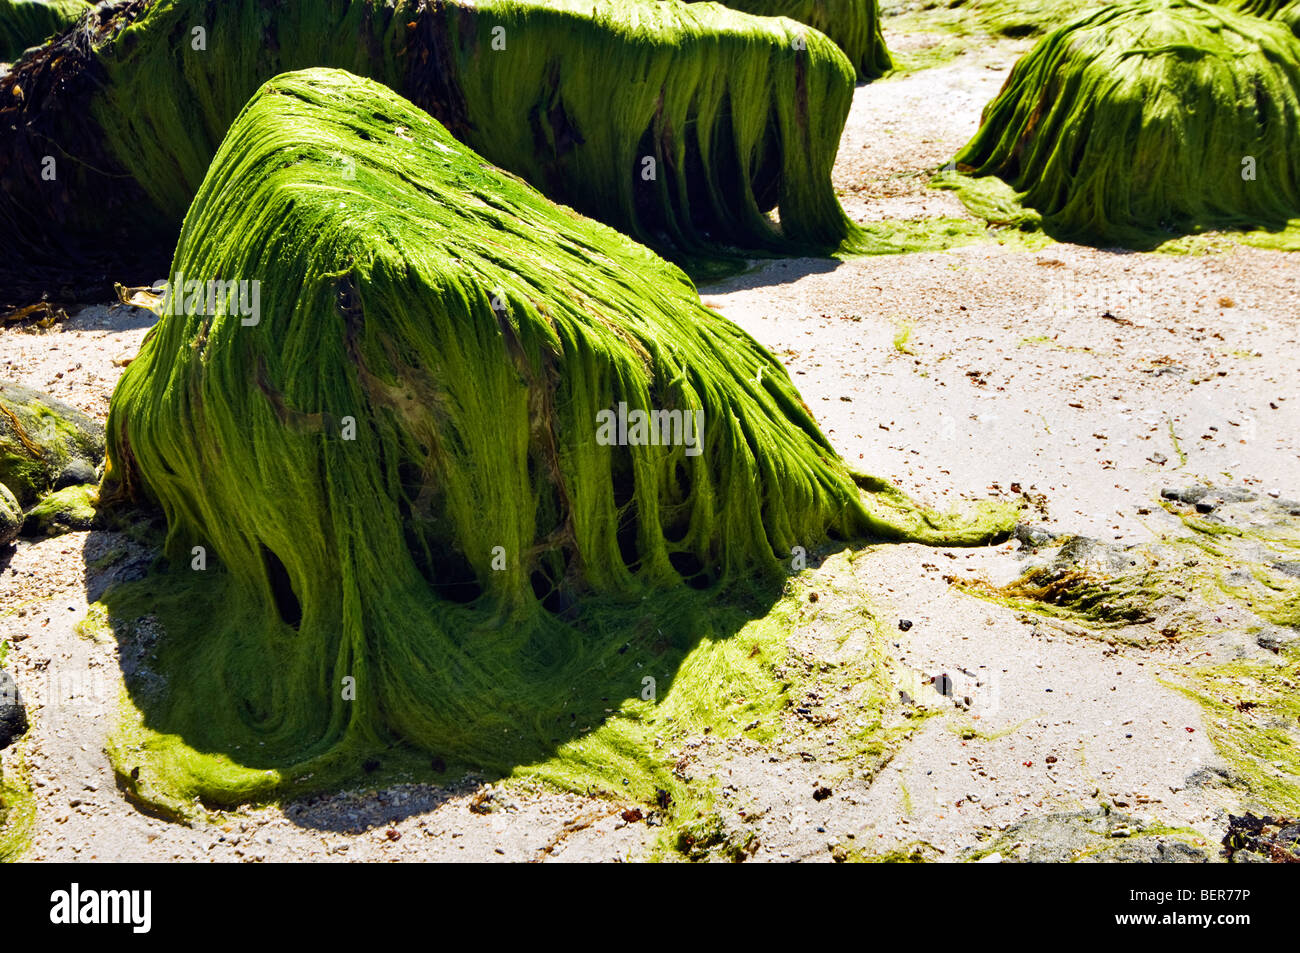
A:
1244, 556
17, 808
999, 204
17, 803
1252, 714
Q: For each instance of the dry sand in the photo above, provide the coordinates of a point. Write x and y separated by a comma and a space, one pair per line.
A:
1056, 376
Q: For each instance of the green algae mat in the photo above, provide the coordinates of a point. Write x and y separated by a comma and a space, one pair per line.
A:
1142, 122
1226, 580
449, 470
683, 125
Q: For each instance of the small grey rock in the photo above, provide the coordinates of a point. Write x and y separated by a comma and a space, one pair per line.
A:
1288, 567
13, 713
1275, 638
1191, 494
1033, 536
74, 474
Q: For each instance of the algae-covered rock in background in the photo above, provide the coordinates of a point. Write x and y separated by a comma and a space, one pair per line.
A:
44, 443
25, 23
854, 25
681, 124
68, 510
1140, 122
11, 516
466, 451
1009, 18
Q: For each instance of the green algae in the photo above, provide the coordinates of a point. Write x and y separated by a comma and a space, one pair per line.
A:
1224, 560
1254, 565
903, 236
1002, 207
11, 516
494, 583
1107, 132
1077, 588
1093, 836
17, 802
682, 125
25, 23
950, 26
967, 731
839, 696
710, 837
1244, 554
17, 807
916, 852
897, 236
854, 25
96, 625
1176, 443
1252, 715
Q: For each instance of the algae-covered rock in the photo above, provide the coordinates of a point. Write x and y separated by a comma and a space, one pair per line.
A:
1140, 122
44, 443
854, 25
11, 516
680, 124
25, 23
458, 458
68, 510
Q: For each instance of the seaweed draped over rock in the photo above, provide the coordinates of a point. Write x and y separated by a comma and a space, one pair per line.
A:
854, 25
25, 23
1142, 121
680, 124
391, 451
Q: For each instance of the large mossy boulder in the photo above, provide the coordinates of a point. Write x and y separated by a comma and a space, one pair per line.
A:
1143, 121
45, 444
680, 124
459, 444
